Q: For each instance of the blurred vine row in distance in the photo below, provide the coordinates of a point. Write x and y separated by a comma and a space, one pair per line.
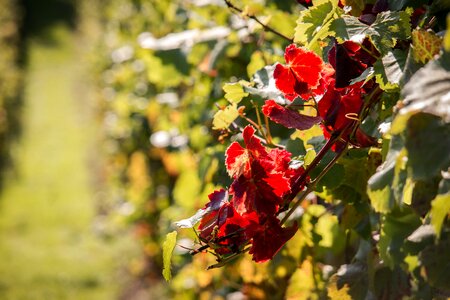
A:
10, 78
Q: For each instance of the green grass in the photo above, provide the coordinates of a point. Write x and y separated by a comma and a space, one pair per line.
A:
48, 248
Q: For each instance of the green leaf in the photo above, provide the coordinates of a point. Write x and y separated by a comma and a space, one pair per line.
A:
436, 260
395, 228
168, 246
350, 282
423, 192
440, 208
390, 69
265, 85
425, 45
224, 117
234, 92
313, 25
397, 4
333, 178
428, 145
379, 189
296, 147
391, 283
426, 91
385, 31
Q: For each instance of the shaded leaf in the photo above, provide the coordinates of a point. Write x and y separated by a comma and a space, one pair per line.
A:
365, 76
428, 90
389, 71
168, 246
287, 117
436, 260
296, 147
428, 145
356, 5
396, 227
391, 284
350, 282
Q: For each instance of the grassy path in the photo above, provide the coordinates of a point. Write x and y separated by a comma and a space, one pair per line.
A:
48, 248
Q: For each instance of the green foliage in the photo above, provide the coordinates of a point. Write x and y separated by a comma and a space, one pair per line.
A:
313, 25
390, 70
388, 28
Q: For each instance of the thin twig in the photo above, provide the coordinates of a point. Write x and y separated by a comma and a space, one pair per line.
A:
265, 26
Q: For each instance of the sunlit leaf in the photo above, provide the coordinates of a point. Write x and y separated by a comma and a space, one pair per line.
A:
234, 92
426, 45
386, 186
440, 209
301, 284
365, 76
168, 246
313, 25
447, 36
256, 63
224, 117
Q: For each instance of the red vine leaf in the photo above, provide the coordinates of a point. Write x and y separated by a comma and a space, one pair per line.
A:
287, 117
301, 73
269, 239
238, 159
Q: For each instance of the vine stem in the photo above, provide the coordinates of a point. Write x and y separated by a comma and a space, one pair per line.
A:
310, 187
296, 187
265, 26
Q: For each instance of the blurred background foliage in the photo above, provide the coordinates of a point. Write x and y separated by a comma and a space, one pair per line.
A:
160, 67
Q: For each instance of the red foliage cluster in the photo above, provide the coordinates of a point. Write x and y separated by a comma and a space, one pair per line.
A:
262, 178
339, 103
